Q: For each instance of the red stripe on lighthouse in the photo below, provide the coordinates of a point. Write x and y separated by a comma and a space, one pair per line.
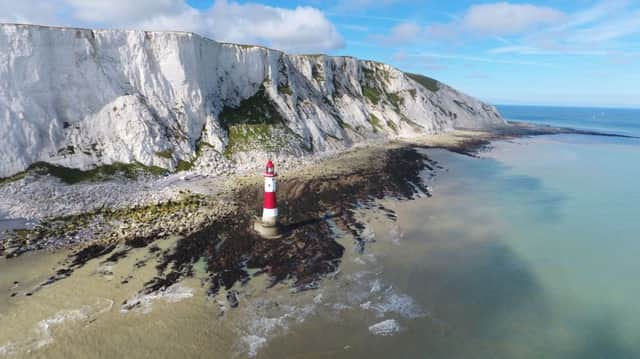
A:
269, 200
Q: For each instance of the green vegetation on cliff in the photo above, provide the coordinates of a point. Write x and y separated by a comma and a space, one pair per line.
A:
256, 124
168, 154
372, 93
243, 136
375, 122
257, 109
74, 175
426, 82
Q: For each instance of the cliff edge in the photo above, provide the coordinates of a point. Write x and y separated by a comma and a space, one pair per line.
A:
87, 98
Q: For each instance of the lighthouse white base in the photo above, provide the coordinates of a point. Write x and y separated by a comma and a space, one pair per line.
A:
270, 216
268, 230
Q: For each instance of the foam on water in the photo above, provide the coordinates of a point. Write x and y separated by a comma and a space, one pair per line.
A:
375, 286
395, 234
264, 319
318, 299
254, 343
143, 303
392, 302
42, 333
385, 328
9, 349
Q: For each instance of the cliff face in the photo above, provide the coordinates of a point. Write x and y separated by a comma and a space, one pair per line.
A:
85, 98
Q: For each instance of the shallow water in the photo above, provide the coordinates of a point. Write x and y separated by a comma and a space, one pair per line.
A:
529, 251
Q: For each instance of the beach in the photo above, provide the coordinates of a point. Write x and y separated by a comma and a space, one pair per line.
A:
356, 228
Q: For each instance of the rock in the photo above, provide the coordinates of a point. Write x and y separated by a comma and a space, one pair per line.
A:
385, 328
232, 298
10, 252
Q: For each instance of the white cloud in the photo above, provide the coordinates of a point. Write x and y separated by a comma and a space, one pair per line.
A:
298, 30
597, 12
302, 29
401, 34
595, 31
619, 27
497, 20
508, 19
359, 5
116, 12
532, 50
479, 59
28, 11
484, 20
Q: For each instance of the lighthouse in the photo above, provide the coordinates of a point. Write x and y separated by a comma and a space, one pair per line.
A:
268, 226
270, 208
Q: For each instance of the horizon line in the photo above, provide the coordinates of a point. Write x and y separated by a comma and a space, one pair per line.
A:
613, 107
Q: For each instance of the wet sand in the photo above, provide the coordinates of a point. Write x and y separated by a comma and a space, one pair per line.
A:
308, 198
224, 256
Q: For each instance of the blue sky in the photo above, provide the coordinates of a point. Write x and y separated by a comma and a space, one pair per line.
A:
584, 53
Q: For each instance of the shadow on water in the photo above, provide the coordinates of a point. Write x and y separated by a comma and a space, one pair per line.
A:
491, 176
485, 302
601, 340
476, 283
487, 298
543, 204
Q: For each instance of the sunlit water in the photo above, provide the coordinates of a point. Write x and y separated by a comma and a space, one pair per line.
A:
531, 251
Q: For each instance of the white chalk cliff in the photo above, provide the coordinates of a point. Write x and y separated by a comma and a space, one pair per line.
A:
85, 98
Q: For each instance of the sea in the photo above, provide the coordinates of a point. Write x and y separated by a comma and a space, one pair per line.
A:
529, 250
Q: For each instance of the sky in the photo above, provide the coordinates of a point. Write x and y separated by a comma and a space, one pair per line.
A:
565, 53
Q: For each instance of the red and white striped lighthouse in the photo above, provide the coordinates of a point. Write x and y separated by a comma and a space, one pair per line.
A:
270, 208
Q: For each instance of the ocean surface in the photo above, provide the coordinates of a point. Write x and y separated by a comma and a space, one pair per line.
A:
622, 121
529, 251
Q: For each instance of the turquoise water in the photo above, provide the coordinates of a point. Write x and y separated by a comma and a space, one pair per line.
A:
543, 258
568, 247
530, 251
614, 120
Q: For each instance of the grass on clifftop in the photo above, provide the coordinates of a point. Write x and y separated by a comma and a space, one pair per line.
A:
426, 82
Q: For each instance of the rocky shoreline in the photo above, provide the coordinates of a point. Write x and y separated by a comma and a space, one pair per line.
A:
216, 227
